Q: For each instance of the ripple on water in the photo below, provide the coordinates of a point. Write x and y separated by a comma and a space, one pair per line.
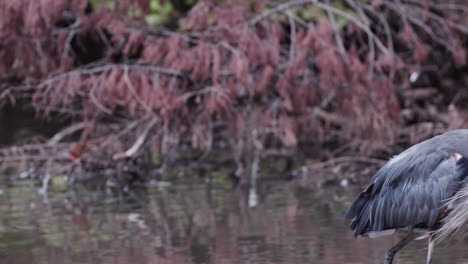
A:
193, 223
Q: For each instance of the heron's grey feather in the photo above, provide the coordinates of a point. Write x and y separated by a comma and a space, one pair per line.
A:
456, 223
411, 189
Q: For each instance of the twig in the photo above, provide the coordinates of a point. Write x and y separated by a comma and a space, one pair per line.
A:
445, 22
7, 93
292, 35
68, 41
108, 140
286, 6
98, 69
95, 99
138, 143
312, 27
133, 91
338, 39
441, 6
65, 132
329, 117
278, 9
59, 110
45, 184
402, 12
388, 33
370, 41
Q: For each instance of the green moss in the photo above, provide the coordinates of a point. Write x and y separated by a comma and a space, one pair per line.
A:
156, 159
97, 3
14, 240
59, 184
222, 176
310, 13
159, 13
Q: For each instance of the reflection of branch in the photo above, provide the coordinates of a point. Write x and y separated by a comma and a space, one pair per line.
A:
138, 143
258, 148
346, 159
39, 152
45, 184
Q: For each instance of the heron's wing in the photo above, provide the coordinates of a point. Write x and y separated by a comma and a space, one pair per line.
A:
409, 190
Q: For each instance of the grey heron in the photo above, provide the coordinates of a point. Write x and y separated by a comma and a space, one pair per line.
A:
423, 190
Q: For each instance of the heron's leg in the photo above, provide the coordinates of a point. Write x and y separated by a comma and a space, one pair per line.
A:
392, 252
430, 248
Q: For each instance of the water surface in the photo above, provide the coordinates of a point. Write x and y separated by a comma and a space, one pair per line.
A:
192, 223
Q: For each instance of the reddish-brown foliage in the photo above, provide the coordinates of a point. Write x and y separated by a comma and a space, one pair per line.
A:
239, 71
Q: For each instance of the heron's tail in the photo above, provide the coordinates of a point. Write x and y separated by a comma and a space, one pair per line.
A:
360, 213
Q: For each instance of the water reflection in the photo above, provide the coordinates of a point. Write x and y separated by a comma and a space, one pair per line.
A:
195, 223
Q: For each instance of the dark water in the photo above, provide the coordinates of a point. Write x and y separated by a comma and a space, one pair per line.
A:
191, 223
